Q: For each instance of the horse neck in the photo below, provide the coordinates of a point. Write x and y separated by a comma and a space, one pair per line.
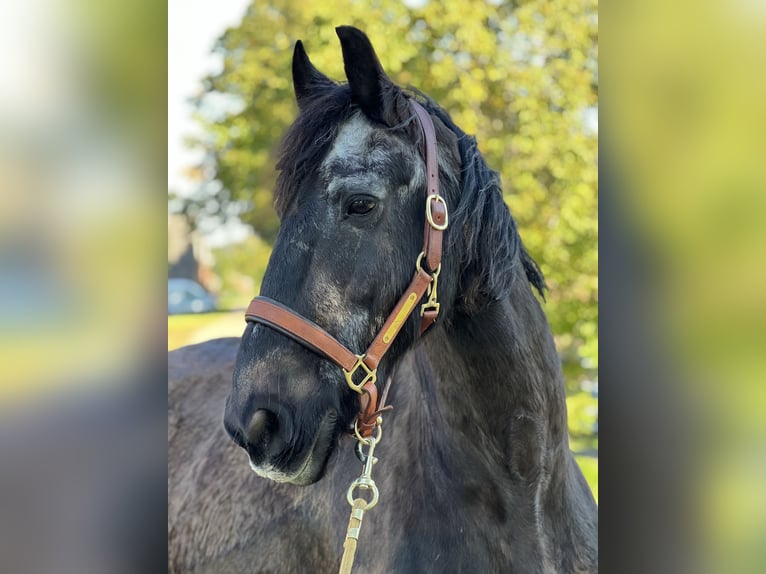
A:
492, 381
478, 436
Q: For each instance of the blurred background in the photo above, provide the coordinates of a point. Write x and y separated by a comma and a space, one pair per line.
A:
683, 284
84, 196
523, 79
82, 317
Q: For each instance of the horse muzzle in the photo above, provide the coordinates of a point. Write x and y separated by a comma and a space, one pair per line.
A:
277, 452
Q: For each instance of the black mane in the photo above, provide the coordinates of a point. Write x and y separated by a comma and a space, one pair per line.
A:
308, 140
480, 206
492, 248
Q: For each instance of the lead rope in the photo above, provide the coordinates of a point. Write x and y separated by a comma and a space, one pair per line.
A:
359, 505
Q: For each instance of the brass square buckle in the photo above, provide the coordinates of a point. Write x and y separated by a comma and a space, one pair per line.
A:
430, 215
369, 375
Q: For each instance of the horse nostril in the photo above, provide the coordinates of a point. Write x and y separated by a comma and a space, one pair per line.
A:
261, 425
265, 434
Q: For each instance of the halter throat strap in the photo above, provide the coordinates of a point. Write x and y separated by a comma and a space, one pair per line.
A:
361, 370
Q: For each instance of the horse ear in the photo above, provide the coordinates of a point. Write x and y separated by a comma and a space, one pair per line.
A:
307, 80
364, 72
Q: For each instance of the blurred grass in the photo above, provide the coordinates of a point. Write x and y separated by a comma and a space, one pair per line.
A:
196, 328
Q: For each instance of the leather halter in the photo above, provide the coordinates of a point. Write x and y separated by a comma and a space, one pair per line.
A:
280, 318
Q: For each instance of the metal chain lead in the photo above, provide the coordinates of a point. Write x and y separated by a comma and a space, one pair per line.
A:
359, 504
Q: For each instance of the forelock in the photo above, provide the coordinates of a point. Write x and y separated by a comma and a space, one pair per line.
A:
308, 141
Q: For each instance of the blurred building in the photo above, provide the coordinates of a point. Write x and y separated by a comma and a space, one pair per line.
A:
189, 256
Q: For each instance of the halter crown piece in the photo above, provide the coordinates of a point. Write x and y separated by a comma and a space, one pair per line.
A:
361, 370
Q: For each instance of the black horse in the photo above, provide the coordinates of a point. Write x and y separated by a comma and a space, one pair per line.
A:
475, 471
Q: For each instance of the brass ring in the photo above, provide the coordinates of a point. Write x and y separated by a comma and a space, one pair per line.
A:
418, 267
420, 258
378, 428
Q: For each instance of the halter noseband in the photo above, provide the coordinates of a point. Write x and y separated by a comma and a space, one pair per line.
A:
280, 318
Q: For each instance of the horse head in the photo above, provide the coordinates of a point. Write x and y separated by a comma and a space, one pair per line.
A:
350, 196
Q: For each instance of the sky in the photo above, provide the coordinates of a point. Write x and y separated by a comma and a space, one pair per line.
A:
193, 26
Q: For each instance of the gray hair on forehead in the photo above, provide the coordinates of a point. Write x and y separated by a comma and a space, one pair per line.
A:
367, 157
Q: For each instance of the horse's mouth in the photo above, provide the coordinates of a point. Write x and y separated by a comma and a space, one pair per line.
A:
312, 467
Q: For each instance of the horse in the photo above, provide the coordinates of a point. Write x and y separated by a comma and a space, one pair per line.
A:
474, 470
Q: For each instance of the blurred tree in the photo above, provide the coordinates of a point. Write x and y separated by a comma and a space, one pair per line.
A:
240, 268
521, 76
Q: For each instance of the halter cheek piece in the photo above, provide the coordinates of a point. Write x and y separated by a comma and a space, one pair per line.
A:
361, 370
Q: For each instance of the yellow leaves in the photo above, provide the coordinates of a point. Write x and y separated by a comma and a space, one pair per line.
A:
494, 74
468, 120
473, 91
281, 41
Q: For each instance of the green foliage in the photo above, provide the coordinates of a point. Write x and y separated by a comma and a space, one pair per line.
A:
589, 468
240, 269
521, 76
582, 412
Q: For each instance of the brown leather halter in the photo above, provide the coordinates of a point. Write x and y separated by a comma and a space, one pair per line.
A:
275, 315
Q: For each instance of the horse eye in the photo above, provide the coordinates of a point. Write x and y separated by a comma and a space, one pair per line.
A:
361, 206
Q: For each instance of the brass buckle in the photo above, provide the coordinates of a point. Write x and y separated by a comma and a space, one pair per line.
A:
369, 375
429, 214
